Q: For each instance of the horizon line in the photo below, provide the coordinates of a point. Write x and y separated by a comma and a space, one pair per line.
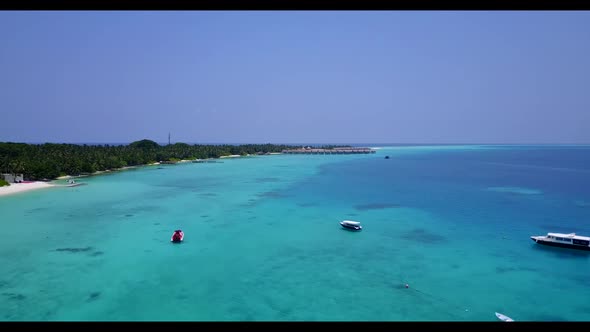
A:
288, 143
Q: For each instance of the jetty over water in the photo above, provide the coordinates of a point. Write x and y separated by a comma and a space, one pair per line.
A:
344, 150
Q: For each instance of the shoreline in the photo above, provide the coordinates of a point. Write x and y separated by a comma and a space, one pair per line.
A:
66, 177
15, 188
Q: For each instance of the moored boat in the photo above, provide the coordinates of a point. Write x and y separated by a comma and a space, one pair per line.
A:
178, 236
352, 225
570, 240
503, 317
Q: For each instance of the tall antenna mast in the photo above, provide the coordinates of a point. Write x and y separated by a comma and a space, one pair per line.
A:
168, 138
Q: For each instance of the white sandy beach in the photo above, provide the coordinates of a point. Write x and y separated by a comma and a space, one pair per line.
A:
21, 187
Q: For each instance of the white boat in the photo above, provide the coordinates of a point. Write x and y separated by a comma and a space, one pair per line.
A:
504, 317
352, 225
570, 240
73, 183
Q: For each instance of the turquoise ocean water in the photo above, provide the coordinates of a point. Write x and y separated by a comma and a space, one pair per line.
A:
263, 243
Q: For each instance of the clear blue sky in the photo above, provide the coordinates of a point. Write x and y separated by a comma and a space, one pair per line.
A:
295, 76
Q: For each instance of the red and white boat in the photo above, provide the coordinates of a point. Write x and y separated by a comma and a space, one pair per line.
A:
177, 236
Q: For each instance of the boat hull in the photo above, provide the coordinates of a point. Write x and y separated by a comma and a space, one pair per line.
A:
560, 245
173, 240
351, 227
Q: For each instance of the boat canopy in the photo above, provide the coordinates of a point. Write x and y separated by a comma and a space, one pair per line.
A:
350, 222
569, 236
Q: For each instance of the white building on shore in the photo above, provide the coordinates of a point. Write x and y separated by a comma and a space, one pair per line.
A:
12, 178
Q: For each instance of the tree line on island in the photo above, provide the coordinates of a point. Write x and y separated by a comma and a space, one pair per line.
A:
50, 160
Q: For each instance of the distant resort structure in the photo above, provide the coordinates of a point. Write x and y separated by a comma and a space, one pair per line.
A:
12, 178
340, 150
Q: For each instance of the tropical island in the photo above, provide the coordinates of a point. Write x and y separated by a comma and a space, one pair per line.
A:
50, 161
